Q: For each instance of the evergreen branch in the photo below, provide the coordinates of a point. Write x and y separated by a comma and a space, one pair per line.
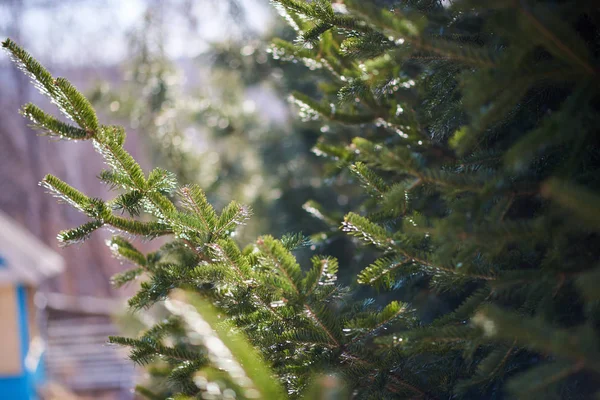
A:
406, 34
581, 202
227, 251
161, 181
323, 272
94, 208
313, 316
124, 249
397, 380
143, 351
386, 316
306, 103
361, 227
233, 215
297, 6
542, 376
148, 229
488, 369
122, 278
182, 377
285, 50
538, 336
147, 393
588, 283
312, 35
387, 160
293, 241
52, 126
467, 308
164, 208
380, 273
282, 261
130, 202
563, 47
372, 233
316, 210
72, 103
469, 55
77, 106
79, 234
425, 84
242, 359
109, 145
195, 201
42, 79
115, 179
370, 180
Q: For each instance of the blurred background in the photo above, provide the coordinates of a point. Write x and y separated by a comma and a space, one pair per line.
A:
198, 93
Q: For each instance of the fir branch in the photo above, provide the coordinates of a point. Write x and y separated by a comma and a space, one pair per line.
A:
109, 145
122, 278
315, 318
226, 250
134, 227
317, 211
72, 196
323, 272
305, 102
195, 201
42, 79
575, 198
147, 393
542, 376
370, 180
77, 106
537, 335
79, 234
548, 34
391, 312
232, 216
283, 262
161, 181
52, 126
293, 241
361, 227
122, 248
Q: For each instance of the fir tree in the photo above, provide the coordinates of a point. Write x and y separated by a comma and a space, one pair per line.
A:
481, 140
475, 140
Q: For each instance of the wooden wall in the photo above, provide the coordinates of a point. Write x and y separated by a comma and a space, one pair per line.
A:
10, 341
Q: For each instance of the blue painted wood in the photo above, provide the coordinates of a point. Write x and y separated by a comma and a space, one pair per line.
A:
15, 388
24, 334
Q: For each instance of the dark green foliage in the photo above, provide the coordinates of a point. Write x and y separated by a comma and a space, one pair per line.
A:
472, 127
481, 172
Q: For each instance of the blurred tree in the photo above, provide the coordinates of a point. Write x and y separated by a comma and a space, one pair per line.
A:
225, 127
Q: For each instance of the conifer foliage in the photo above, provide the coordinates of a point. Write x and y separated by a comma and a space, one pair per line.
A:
476, 142
481, 174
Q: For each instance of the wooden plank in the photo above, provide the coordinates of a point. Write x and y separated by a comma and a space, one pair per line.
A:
78, 354
10, 345
71, 331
